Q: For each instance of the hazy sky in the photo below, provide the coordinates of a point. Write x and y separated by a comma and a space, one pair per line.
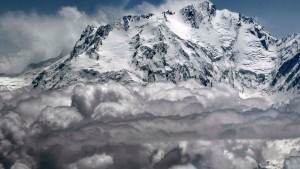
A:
280, 17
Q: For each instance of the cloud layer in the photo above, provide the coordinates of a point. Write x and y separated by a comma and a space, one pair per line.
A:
161, 125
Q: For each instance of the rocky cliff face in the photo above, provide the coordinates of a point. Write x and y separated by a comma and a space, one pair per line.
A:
198, 42
286, 74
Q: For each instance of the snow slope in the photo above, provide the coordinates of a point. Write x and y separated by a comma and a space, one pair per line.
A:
286, 73
198, 41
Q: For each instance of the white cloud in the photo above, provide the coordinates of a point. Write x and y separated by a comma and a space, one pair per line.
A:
96, 161
59, 117
31, 38
189, 166
19, 166
292, 163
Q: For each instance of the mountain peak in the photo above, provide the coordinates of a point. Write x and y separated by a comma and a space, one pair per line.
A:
196, 13
195, 42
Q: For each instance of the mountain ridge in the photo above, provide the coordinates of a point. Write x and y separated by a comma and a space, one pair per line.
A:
197, 42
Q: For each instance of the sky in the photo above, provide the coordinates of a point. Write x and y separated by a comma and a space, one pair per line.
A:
280, 17
32, 31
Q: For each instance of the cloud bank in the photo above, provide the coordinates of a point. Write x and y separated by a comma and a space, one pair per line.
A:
161, 125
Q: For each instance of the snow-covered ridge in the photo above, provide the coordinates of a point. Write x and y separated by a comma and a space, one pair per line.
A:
196, 42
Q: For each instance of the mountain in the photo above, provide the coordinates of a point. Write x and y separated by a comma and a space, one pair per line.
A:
286, 74
198, 41
16, 81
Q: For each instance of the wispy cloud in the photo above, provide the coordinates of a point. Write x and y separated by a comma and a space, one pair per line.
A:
30, 38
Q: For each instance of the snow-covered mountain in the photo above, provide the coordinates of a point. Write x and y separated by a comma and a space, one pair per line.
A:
199, 42
286, 74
